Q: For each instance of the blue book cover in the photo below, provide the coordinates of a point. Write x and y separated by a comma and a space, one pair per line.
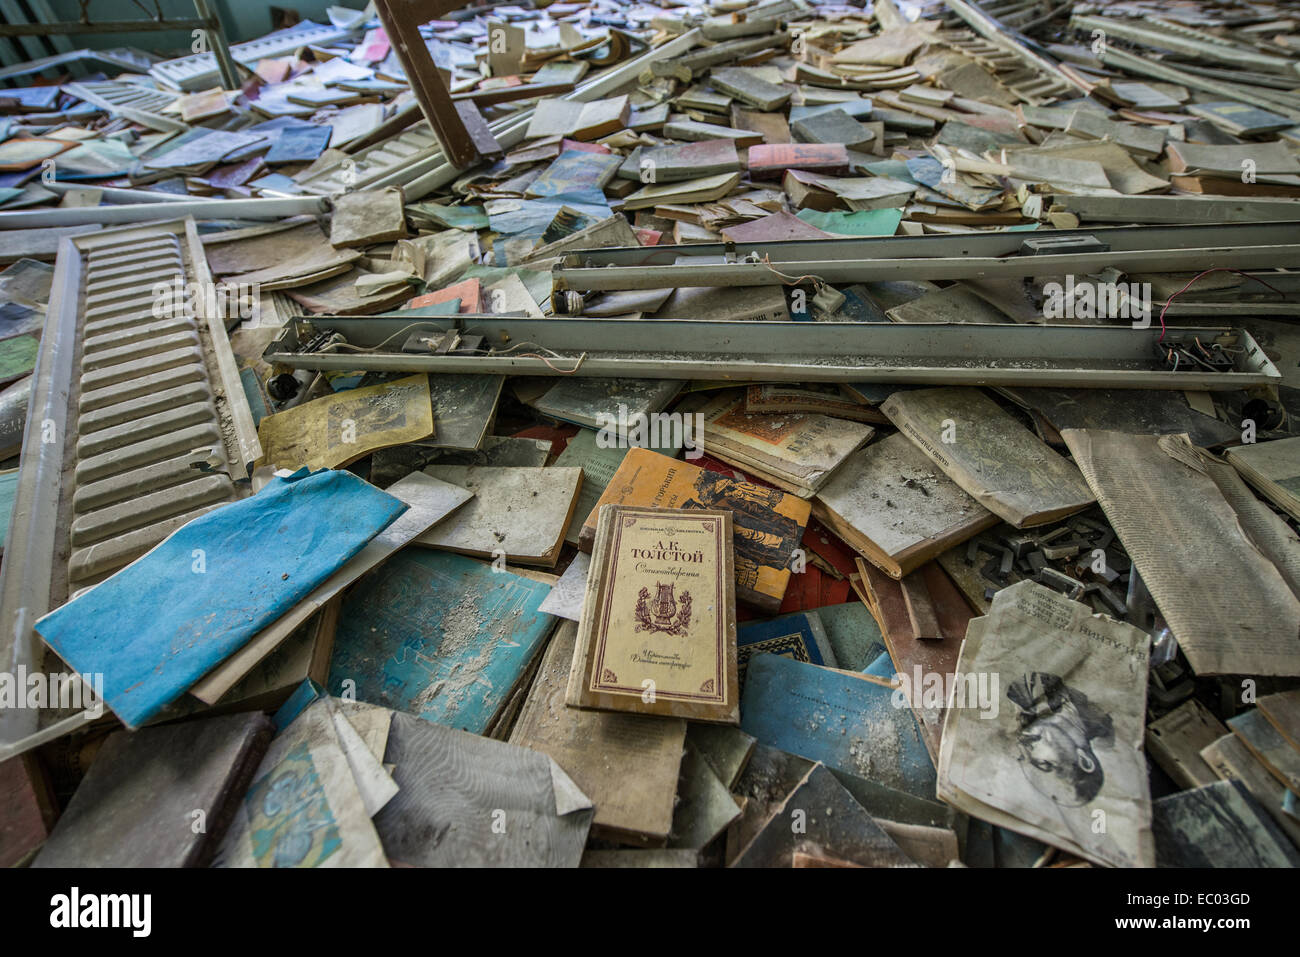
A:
159, 625
438, 635
846, 721
799, 636
853, 634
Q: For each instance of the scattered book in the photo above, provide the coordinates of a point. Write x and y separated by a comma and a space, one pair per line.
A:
1004, 466
814, 397
658, 630
621, 404
517, 514
1066, 741
603, 751
579, 121
894, 505
771, 160
140, 800
441, 636
1218, 825
326, 823
847, 721
767, 524
442, 819
796, 452
599, 463
798, 635
1273, 468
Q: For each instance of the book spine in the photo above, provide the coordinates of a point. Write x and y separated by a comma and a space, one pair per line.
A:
575, 695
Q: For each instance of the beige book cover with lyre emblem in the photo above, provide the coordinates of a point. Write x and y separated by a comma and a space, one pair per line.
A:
658, 628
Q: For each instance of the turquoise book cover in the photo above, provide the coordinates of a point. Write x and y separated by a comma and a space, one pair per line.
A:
847, 722
438, 635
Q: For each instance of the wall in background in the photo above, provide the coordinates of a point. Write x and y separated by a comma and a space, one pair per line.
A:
242, 20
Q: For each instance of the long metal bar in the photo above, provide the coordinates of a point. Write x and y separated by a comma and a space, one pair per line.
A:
65, 27
970, 354
119, 195
1150, 248
1176, 209
25, 576
1136, 32
401, 20
986, 244
216, 37
200, 209
1146, 66
778, 272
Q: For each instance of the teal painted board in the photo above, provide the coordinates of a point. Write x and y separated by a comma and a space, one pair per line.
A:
167, 619
847, 722
882, 667
853, 633
8, 489
438, 635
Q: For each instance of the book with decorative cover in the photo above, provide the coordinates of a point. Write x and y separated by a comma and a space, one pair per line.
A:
658, 629
767, 524
798, 635
795, 451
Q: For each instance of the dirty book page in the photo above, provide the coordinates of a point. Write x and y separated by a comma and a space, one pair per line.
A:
1060, 757
1227, 605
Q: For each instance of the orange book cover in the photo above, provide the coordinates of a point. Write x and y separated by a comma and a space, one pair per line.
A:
768, 523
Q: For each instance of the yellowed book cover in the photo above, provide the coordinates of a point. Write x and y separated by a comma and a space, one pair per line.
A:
658, 628
796, 450
768, 524
338, 429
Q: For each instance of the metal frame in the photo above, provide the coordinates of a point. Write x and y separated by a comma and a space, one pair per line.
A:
402, 20
140, 211
34, 543
207, 21
969, 256
949, 354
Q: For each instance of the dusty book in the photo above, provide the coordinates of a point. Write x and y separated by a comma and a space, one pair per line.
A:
672, 164
469, 801
1218, 825
658, 629
579, 121
855, 723
1064, 748
1226, 603
603, 750
441, 636
336, 430
822, 398
896, 507
1274, 469
518, 513
599, 460
796, 452
799, 635
326, 823
771, 160
620, 405
138, 803
767, 524
1008, 469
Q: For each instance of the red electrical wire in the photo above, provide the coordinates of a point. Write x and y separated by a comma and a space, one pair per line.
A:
1206, 273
